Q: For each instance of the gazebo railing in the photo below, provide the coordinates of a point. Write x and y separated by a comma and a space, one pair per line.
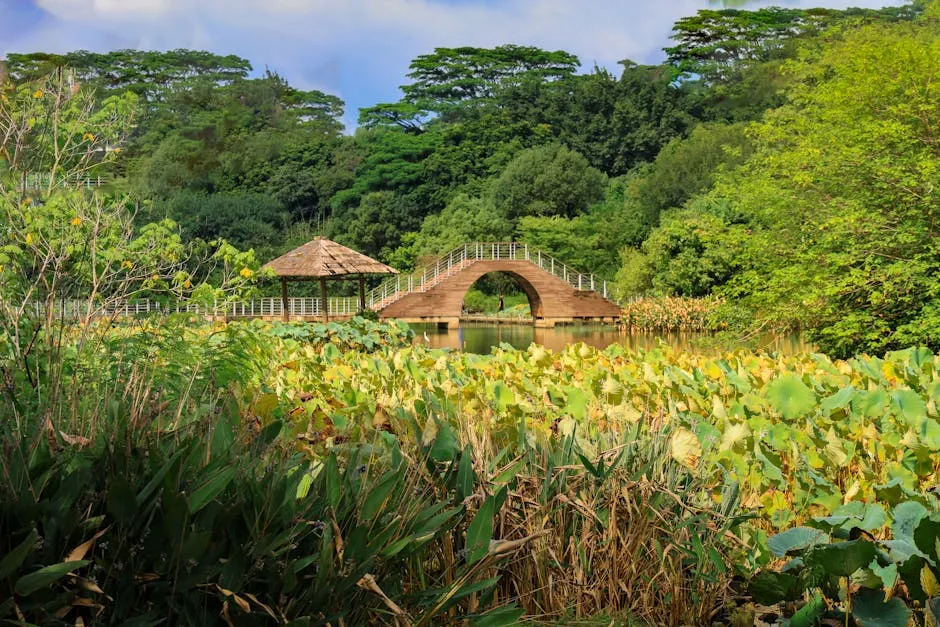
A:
426, 277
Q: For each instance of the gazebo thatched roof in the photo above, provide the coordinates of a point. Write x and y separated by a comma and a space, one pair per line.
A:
323, 258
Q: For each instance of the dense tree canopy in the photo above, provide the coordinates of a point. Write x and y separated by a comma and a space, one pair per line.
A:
843, 195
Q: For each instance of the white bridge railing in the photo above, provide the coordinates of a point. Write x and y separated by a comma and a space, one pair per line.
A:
426, 277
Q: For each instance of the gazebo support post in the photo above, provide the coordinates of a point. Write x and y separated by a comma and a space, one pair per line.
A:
323, 301
284, 313
362, 293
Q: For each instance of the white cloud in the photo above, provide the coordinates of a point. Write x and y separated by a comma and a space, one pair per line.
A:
361, 48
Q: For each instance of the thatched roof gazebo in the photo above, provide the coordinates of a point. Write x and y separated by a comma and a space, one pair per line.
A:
320, 260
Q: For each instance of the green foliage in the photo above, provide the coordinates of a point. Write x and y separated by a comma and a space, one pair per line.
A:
377, 225
715, 44
358, 334
615, 123
684, 168
874, 569
479, 302
841, 197
692, 252
243, 219
582, 241
151, 74
547, 181
450, 76
464, 220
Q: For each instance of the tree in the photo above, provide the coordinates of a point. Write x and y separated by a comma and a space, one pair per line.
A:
402, 115
694, 251
376, 226
715, 45
149, 74
392, 161
579, 241
682, 169
81, 137
62, 242
547, 181
457, 76
843, 196
245, 220
464, 219
615, 123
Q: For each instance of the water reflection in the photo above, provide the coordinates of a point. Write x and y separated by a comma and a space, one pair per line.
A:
481, 338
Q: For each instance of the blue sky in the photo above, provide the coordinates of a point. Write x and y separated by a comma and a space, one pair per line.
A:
356, 49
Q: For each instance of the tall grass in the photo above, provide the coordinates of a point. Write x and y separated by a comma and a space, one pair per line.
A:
671, 314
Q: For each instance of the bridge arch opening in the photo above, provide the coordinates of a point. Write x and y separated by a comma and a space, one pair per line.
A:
509, 289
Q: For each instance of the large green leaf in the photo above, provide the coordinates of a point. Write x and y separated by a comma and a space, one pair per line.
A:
790, 396
927, 536
465, 475
503, 396
838, 400
907, 516
377, 496
841, 558
210, 489
771, 587
480, 531
499, 617
27, 584
122, 499
12, 560
932, 610
333, 482
911, 406
887, 574
809, 614
796, 539
445, 446
869, 609
577, 403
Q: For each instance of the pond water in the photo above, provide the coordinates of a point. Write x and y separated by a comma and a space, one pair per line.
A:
482, 338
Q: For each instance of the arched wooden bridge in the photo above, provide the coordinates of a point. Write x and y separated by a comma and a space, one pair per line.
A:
435, 293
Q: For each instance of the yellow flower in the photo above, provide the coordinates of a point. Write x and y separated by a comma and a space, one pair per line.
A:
29, 238
89, 136
155, 278
76, 221
127, 264
247, 273
187, 284
37, 93
117, 150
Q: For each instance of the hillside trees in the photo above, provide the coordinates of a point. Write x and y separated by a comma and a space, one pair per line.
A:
843, 195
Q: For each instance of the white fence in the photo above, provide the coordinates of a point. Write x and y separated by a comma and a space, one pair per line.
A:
256, 308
